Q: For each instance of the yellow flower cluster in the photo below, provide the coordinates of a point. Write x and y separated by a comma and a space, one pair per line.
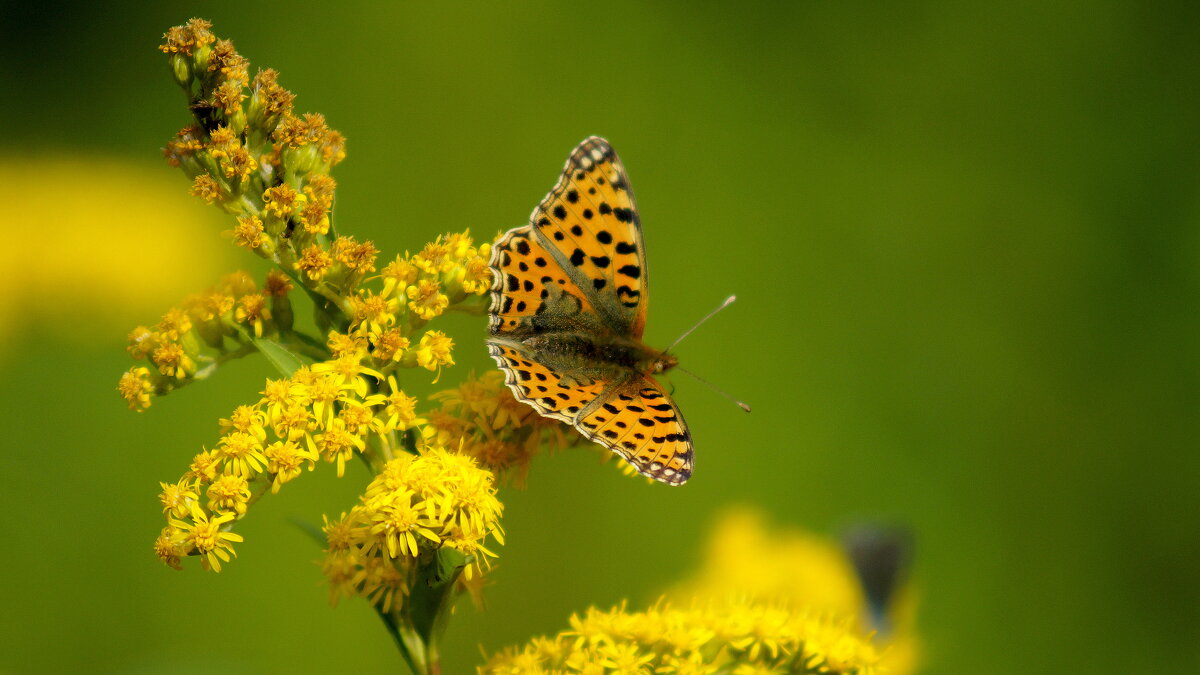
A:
248, 153
345, 405
741, 638
208, 329
747, 559
415, 507
500, 432
764, 601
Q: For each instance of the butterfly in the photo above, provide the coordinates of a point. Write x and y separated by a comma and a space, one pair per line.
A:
568, 312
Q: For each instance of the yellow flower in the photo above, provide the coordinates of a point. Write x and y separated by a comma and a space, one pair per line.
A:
625, 659
207, 188
747, 559
177, 498
337, 445
249, 233
435, 258
459, 245
635, 642
183, 39
285, 459
203, 533
396, 521
434, 352
314, 262
173, 361
398, 275
228, 493
383, 584
389, 345
205, 466
415, 504
281, 201
253, 309
346, 344
357, 417
277, 284
294, 422
142, 342
314, 217
355, 256
100, 218
248, 419
171, 546
346, 373
242, 454
399, 410
477, 276
426, 299
373, 312
135, 387
174, 324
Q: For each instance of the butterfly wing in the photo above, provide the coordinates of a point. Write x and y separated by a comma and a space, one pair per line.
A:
550, 391
639, 421
531, 293
589, 223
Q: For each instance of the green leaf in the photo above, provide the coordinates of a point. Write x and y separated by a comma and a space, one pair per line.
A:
433, 593
311, 529
285, 361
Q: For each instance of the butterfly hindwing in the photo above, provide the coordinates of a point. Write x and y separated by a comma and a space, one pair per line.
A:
551, 392
590, 222
640, 422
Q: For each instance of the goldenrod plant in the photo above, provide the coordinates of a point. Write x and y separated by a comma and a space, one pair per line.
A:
428, 523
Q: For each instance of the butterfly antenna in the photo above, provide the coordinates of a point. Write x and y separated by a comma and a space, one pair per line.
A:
728, 302
710, 385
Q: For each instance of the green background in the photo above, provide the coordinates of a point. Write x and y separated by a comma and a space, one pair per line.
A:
965, 248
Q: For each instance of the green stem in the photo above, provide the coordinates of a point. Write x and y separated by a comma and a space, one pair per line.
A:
222, 359
389, 621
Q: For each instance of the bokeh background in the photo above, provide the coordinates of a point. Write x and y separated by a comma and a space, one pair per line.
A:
964, 239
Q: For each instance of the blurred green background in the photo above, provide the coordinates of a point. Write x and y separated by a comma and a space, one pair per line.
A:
965, 243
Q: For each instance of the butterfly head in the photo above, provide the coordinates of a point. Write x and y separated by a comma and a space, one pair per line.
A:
662, 363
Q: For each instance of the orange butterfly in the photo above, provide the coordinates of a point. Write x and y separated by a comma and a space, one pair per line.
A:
568, 312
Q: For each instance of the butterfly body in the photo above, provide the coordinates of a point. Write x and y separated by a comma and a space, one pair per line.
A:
606, 356
568, 312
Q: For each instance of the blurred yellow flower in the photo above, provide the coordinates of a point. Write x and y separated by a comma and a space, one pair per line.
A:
747, 559
116, 230
735, 636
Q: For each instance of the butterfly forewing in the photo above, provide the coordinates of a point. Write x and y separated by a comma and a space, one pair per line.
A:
530, 292
591, 223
